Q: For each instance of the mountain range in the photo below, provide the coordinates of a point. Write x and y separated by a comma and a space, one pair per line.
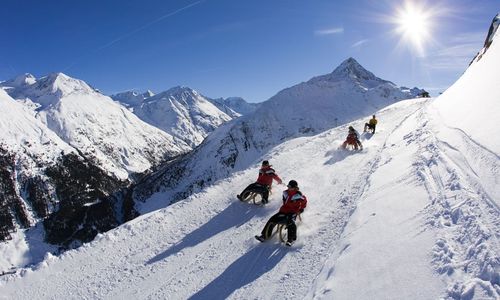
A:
69, 152
183, 112
101, 162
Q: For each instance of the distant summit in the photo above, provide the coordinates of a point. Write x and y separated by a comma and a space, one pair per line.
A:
182, 112
235, 106
132, 98
46, 90
19, 81
183, 93
351, 70
100, 128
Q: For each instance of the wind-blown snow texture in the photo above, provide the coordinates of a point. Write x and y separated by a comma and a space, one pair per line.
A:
414, 215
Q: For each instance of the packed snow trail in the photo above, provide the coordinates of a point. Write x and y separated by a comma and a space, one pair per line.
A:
203, 247
445, 196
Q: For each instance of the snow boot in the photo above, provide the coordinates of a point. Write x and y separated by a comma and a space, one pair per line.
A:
260, 238
289, 243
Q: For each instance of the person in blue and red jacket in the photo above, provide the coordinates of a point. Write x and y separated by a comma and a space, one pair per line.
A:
294, 203
263, 184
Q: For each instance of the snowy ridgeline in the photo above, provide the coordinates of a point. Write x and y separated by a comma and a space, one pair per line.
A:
95, 125
415, 215
183, 112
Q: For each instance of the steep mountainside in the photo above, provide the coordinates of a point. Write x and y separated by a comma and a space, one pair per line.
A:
26, 146
308, 108
183, 113
67, 155
45, 180
101, 129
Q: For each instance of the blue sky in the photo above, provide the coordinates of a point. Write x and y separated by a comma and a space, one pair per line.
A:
228, 48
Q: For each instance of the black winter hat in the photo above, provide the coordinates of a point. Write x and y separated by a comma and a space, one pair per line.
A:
265, 163
292, 184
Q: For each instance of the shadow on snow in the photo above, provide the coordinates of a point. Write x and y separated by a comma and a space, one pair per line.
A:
246, 269
235, 215
336, 155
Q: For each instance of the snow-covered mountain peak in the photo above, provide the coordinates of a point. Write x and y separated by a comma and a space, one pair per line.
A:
179, 92
48, 89
61, 84
21, 80
148, 94
130, 98
351, 70
235, 106
182, 112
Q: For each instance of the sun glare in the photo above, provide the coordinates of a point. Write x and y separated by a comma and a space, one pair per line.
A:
413, 24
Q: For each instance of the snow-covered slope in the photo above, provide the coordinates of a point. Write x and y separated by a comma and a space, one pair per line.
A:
27, 147
97, 126
359, 238
21, 130
308, 108
44, 183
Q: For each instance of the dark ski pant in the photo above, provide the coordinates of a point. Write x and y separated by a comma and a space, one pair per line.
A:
255, 187
281, 218
355, 143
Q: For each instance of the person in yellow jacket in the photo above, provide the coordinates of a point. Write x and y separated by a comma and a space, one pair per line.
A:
371, 124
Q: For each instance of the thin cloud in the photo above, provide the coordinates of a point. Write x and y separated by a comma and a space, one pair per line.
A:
130, 33
330, 31
359, 43
149, 24
458, 54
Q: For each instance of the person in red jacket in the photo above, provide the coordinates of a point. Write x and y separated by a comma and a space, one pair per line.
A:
294, 203
263, 184
352, 139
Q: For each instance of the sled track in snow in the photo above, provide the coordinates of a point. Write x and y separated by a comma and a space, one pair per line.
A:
459, 206
360, 187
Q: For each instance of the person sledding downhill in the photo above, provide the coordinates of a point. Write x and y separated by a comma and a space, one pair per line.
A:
352, 139
263, 184
294, 203
371, 124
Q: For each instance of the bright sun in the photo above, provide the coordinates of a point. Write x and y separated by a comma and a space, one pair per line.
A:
413, 24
